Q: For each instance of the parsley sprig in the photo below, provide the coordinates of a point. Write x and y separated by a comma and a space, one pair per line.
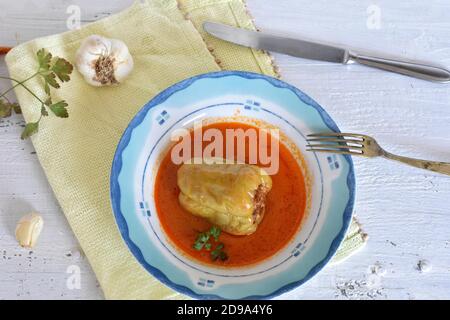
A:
203, 241
53, 71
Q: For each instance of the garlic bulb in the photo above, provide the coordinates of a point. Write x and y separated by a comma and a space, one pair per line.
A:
28, 229
103, 61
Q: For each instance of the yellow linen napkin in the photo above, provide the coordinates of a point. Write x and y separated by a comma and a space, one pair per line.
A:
76, 153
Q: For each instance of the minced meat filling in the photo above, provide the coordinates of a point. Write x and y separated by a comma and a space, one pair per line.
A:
259, 201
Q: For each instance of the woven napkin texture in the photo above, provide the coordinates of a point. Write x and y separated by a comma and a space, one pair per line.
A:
167, 45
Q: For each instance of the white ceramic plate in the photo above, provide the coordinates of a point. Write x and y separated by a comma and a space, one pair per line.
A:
220, 95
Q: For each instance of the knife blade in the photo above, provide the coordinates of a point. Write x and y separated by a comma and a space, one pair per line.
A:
293, 47
324, 52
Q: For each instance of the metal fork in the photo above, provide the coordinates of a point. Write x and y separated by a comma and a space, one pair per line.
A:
362, 145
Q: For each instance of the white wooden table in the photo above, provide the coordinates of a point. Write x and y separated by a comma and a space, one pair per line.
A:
405, 211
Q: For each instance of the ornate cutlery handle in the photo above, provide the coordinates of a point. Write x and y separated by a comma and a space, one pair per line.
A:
413, 69
436, 166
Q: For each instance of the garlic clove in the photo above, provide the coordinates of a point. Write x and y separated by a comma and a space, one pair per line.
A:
28, 229
104, 61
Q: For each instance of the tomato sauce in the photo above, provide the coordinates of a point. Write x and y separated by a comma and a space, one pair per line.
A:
285, 207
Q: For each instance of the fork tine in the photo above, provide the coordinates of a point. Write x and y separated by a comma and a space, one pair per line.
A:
336, 134
335, 151
332, 145
324, 139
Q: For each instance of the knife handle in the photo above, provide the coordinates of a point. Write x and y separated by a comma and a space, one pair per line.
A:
412, 69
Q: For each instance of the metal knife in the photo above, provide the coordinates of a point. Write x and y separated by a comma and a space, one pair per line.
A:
324, 52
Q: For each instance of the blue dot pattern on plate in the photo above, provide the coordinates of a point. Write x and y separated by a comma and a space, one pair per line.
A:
163, 117
252, 105
333, 162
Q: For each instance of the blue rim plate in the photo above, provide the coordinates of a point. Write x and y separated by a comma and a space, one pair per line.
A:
223, 94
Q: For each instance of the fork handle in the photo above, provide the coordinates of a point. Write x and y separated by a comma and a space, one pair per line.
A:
436, 166
412, 69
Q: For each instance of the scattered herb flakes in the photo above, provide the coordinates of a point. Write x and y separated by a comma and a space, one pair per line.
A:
215, 232
218, 253
198, 246
202, 239
203, 242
